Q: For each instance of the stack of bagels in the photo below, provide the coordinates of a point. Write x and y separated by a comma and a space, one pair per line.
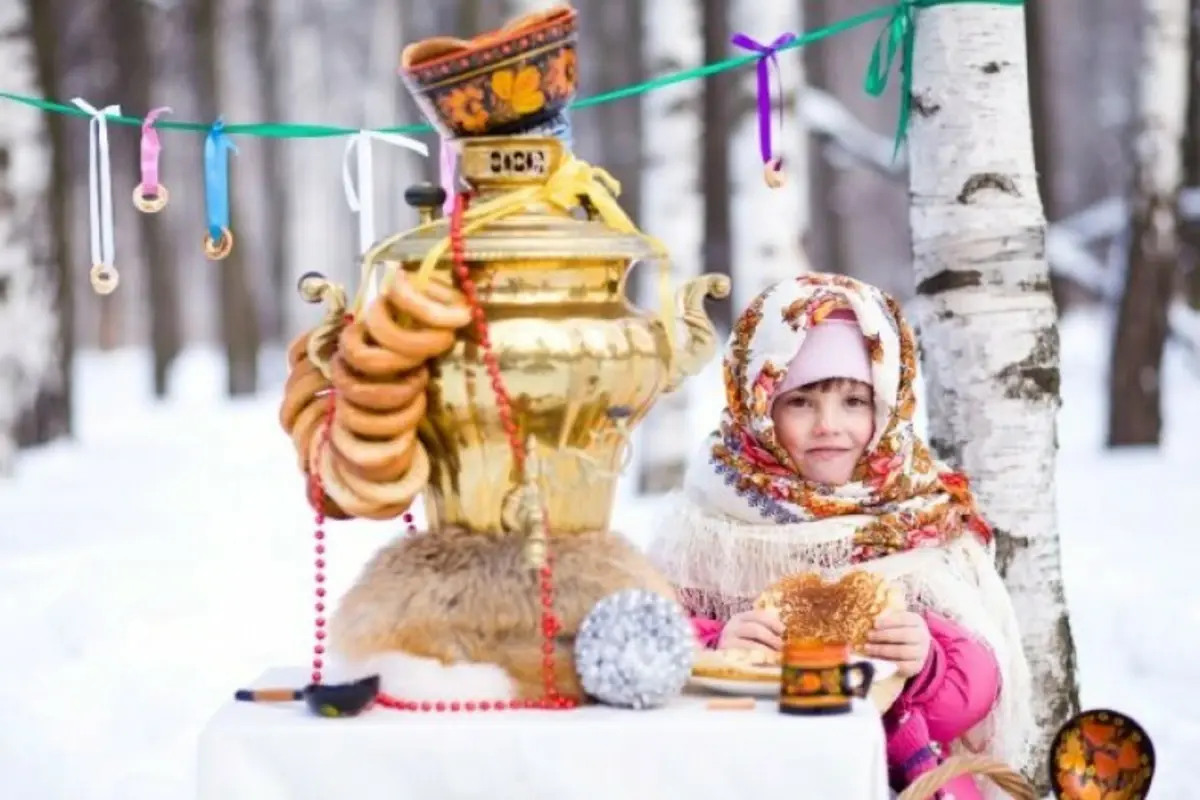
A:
367, 457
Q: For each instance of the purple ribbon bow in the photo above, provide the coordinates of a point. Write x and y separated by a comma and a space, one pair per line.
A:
767, 59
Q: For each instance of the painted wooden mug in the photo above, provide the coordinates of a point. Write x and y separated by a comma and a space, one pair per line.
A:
818, 678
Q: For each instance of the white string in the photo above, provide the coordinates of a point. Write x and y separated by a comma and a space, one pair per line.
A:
362, 200
100, 206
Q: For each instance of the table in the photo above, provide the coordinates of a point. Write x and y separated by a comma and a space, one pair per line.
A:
278, 752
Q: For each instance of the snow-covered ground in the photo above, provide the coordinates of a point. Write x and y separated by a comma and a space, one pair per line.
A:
164, 559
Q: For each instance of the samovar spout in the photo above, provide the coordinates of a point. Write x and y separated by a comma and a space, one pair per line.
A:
699, 343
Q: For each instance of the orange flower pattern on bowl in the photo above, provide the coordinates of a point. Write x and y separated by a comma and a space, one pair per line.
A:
501, 83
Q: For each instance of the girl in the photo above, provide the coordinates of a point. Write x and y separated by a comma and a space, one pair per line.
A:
816, 466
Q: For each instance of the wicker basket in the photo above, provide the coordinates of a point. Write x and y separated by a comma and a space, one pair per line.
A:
1007, 779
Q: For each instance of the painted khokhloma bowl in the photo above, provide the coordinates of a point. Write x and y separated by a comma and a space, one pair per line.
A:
501, 83
1101, 755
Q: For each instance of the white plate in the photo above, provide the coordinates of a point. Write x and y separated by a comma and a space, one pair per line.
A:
883, 671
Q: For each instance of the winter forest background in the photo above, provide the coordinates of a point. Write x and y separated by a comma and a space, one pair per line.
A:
151, 528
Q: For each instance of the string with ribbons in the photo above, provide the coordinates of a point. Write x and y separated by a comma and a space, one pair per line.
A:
892, 52
360, 188
103, 275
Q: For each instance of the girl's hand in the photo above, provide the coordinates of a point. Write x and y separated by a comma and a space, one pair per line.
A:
902, 638
751, 629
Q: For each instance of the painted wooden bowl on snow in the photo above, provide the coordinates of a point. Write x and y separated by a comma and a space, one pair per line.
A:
1101, 755
501, 83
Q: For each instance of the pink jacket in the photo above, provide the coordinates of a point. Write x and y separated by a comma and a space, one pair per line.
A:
952, 694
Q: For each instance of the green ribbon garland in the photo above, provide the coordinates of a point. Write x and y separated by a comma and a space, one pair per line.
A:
899, 38
896, 39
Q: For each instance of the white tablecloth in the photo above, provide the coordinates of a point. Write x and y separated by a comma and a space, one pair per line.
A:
278, 752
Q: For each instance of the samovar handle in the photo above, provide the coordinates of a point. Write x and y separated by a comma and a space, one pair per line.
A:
699, 343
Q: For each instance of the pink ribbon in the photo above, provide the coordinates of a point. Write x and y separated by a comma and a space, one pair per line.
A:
151, 147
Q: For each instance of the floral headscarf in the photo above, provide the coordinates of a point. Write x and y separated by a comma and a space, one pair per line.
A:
905, 497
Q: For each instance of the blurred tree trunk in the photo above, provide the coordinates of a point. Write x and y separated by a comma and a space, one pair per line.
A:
1190, 228
768, 225
1043, 121
716, 185
987, 320
825, 239
671, 205
1135, 377
618, 126
239, 319
270, 94
135, 73
38, 377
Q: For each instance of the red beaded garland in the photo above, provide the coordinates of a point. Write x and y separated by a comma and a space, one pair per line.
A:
549, 622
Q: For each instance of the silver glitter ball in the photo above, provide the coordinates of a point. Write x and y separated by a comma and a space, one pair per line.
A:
635, 650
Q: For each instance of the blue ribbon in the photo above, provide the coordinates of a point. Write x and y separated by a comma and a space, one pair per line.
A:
216, 179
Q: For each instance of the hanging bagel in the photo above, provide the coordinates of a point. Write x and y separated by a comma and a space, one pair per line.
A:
382, 394
305, 386
374, 459
399, 493
379, 424
415, 344
368, 458
435, 306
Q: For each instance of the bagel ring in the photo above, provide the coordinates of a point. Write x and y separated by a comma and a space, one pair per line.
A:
371, 455
306, 387
378, 395
421, 343
400, 492
371, 360
308, 428
426, 308
341, 495
377, 424
389, 470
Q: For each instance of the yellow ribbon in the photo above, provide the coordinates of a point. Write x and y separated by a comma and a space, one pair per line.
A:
573, 179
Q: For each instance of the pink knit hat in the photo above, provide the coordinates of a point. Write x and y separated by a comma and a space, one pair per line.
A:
833, 348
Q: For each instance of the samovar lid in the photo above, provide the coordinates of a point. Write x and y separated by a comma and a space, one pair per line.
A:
500, 167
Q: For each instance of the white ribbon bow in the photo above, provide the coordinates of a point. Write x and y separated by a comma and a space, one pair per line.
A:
100, 206
362, 200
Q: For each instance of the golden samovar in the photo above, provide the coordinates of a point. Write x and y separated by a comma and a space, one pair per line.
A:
514, 491
582, 367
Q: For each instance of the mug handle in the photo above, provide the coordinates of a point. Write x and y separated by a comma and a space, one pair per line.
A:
866, 673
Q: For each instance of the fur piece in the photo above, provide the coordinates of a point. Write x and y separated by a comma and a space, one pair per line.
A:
459, 598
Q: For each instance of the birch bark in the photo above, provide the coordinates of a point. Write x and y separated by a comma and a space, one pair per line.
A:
671, 209
28, 316
986, 316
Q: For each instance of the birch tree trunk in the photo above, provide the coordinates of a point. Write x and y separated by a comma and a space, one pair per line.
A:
238, 315
718, 101
28, 317
986, 316
1190, 229
266, 35
671, 208
1135, 379
49, 417
134, 57
825, 239
769, 225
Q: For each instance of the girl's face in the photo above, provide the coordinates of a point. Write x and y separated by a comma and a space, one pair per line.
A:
825, 428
